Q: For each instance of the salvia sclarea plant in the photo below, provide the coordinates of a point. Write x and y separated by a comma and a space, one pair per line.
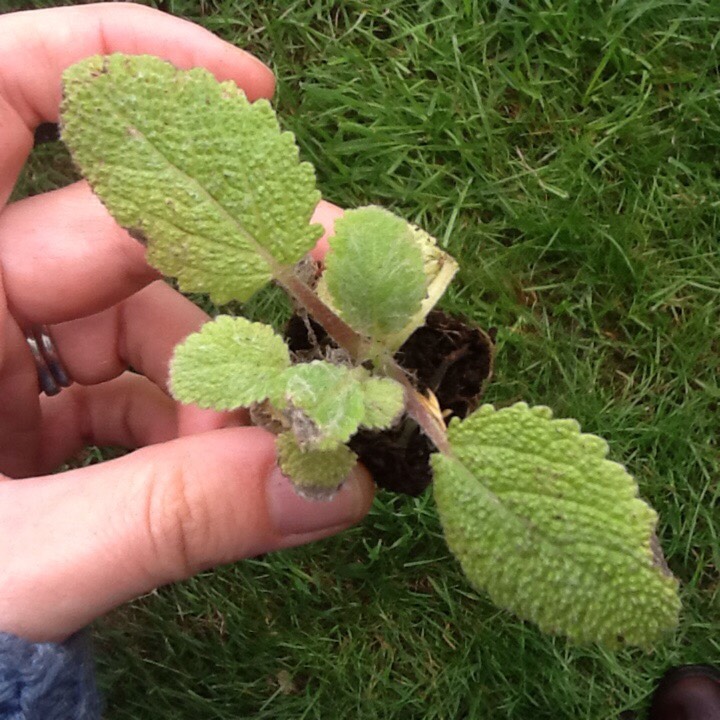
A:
537, 515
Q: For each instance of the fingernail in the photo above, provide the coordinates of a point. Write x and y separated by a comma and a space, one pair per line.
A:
294, 515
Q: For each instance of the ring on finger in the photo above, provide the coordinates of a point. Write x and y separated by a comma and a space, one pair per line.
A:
52, 374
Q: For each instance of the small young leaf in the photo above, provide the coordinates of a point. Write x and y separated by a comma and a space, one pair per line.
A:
374, 271
383, 399
327, 403
230, 363
314, 472
551, 529
187, 162
439, 268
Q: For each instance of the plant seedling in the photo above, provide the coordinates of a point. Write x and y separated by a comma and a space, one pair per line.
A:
537, 515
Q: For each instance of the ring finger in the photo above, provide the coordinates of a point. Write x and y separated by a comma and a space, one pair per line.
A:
139, 333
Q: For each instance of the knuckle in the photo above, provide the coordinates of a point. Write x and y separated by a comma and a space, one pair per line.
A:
175, 522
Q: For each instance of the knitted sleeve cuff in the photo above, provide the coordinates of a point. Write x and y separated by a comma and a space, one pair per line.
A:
47, 681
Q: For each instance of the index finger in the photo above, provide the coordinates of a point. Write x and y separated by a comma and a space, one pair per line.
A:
38, 45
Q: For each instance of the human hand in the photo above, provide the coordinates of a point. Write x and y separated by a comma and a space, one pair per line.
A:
202, 490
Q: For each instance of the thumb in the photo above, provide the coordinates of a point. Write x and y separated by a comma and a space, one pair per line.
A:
76, 545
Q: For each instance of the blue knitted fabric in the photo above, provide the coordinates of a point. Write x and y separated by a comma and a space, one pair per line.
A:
47, 681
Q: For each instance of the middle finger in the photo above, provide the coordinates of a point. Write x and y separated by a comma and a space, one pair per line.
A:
140, 332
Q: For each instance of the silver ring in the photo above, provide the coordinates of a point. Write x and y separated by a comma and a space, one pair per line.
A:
52, 375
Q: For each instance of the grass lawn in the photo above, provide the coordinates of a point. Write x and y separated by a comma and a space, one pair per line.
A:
568, 154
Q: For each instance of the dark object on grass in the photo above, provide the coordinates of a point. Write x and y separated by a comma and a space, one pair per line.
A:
446, 356
689, 692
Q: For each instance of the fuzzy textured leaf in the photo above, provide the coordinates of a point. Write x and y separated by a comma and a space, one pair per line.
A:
315, 473
551, 529
383, 399
439, 268
327, 403
230, 363
375, 271
190, 166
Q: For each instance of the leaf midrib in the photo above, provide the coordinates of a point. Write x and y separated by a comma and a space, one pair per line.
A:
525, 522
276, 268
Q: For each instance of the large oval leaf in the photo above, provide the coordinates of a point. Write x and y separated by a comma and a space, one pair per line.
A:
189, 165
551, 529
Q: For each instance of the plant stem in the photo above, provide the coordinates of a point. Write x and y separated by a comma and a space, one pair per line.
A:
417, 408
359, 348
333, 325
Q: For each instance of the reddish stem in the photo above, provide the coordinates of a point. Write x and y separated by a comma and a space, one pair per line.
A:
358, 347
333, 325
416, 408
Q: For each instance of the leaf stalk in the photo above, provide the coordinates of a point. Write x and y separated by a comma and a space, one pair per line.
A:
359, 348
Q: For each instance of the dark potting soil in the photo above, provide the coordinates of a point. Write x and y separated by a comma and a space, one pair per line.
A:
447, 356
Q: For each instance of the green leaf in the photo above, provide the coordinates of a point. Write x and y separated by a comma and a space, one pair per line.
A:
374, 271
551, 529
188, 164
230, 363
317, 473
327, 403
439, 268
383, 399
